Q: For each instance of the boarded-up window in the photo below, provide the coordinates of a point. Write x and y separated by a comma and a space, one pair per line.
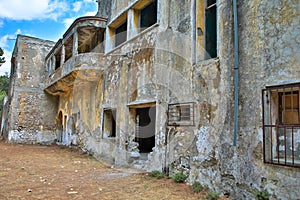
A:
289, 107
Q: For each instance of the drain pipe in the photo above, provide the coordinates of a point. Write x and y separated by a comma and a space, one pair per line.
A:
236, 72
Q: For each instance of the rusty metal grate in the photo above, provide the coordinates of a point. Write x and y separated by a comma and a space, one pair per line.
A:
281, 125
181, 114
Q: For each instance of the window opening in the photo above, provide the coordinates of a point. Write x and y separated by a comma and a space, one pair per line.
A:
148, 15
109, 127
68, 48
57, 59
121, 34
211, 29
281, 126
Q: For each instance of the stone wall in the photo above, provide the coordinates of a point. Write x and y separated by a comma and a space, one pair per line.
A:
31, 111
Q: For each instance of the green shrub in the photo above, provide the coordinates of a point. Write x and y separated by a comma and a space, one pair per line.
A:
197, 187
261, 195
156, 174
179, 177
212, 195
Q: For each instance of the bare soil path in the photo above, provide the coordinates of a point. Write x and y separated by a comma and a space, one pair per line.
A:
54, 172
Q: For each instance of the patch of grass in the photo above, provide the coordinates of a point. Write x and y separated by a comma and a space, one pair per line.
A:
179, 177
212, 195
197, 187
261, 194
156, 174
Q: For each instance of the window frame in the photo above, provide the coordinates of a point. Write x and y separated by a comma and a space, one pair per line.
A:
177, 116
281, 141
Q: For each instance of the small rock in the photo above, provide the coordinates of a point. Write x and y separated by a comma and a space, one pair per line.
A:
73, 192
29, 190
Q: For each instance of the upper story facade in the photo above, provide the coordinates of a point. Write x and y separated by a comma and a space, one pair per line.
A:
123, 28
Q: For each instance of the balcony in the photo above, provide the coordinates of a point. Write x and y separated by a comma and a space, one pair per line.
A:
79, 54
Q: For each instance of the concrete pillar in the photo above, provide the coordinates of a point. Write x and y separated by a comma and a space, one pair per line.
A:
75, 43
63, 53
109, 40
53, 64
132, 23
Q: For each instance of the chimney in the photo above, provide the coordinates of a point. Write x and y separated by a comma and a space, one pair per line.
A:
104, 8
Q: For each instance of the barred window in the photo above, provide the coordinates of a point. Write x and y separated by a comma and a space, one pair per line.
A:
281, 125
181, 114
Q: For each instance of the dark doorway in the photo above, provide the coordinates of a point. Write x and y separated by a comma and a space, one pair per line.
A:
145, 129
109, 124
59, 127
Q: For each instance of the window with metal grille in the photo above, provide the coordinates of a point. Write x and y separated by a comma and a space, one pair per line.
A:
181, 114
281, 125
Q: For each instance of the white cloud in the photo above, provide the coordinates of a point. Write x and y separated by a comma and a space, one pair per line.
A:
7, 54
77, 6
68, 21
5, 67
32, 9
90, 13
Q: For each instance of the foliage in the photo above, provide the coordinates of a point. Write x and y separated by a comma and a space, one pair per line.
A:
156, 174
197, 187
212, 195
261, 195
2, 59
4, 85
179, 177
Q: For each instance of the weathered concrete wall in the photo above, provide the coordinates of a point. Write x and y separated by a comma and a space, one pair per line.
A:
165, 64
269, 46
29, 107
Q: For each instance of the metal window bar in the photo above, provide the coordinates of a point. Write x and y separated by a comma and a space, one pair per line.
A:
181, 114
286, 127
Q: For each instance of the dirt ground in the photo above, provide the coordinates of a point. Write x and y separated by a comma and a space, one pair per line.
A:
55, 172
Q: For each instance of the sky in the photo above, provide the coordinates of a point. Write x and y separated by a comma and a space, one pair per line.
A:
44, 19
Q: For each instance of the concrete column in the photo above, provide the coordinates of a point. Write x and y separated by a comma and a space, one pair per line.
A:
53, 64
63, 53
109, 39
75, 43
132, 23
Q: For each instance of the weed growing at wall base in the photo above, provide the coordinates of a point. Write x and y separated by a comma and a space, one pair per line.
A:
261, 194
179, 177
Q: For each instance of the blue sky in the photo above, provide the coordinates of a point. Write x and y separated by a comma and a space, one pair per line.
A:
45, 19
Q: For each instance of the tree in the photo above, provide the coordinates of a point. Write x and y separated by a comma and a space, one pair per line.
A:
2, 59
4, 86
